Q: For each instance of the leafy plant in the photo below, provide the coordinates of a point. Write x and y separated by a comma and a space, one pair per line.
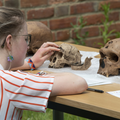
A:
106, 24
80, 40
117, 34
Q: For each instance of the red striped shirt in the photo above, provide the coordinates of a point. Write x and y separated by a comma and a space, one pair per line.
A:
21, 91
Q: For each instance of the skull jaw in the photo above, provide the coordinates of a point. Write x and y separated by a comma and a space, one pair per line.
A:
107, 69
83, 66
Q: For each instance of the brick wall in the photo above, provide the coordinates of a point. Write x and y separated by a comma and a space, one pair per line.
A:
59, 14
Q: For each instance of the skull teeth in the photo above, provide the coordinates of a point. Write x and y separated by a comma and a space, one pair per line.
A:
107, 75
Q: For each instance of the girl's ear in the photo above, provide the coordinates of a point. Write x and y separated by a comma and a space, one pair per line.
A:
9, 42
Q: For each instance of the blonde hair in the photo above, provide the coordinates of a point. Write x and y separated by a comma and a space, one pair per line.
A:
11, 21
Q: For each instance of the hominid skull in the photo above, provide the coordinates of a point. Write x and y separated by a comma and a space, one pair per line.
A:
110, 58
68, 56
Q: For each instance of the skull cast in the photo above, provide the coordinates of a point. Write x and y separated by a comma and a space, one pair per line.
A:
68, 56
40, 33
110, 58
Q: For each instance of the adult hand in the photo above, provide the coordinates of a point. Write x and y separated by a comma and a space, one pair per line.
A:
44, 52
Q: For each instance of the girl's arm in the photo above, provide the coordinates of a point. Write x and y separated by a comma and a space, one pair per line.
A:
68, 83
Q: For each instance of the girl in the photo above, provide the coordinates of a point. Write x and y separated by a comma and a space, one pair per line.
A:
24, 91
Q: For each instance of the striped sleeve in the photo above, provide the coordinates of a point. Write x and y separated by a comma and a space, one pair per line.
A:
27, 91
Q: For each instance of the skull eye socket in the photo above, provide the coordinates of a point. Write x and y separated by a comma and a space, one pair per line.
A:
113, 57
102, 55
60, 54
102, 64
54, 59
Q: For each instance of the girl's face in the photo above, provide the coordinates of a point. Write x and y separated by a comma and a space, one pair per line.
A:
19, 47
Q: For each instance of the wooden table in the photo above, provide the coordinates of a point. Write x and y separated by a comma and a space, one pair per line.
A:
92, 105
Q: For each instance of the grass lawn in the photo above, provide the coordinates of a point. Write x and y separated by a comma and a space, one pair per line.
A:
30, 115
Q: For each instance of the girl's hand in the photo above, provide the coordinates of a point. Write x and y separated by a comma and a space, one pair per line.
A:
44, 52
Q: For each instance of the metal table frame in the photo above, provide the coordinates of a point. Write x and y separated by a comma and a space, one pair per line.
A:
58, 110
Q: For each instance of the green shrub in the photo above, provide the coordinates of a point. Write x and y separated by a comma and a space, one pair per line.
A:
80, 40
106, 24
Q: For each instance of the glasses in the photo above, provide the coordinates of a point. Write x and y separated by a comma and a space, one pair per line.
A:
28, 39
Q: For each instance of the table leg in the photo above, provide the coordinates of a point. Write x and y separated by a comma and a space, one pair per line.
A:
57, 115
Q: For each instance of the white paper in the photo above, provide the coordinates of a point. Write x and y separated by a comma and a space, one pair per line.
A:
115, 93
